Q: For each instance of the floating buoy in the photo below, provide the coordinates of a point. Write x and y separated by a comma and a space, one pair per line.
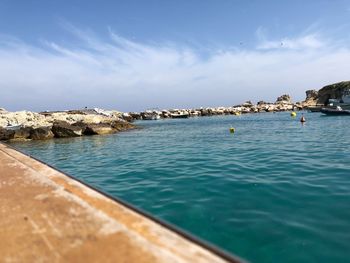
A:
232, 130
293, 114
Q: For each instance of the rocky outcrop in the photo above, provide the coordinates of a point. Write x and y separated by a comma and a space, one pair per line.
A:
311, 99
25, 125
6, 134
121, 125
23, 133
106, 127
311, 94
41, 133
321, 97
98, 129
62, 129
333, 91
284, 99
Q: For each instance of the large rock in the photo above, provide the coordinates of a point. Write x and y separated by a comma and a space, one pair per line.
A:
103, 128
206, 112
248, 104
261, 102
24, 118
333, 91
41, 133
62, 129
22, 133
133, 115
72, 117
6, 134
311, 94
121, 125
99, 129
284, 99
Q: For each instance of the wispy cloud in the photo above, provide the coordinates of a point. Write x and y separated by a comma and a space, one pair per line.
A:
308, 40
116, 72
300, 43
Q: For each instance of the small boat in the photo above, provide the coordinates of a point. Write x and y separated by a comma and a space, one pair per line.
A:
335, 112
181, 115
314, 109
150, 117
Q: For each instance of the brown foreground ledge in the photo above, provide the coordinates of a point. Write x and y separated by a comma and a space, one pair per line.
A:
47, 216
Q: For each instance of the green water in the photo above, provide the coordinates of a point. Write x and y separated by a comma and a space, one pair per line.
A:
275, 191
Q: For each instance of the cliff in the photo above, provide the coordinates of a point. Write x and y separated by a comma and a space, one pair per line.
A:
333, 91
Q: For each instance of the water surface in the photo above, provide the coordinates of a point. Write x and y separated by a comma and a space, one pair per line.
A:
275, 191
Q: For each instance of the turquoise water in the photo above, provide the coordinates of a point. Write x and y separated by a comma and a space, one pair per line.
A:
275, 191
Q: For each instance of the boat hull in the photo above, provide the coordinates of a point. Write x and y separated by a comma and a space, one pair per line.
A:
334, 112
179, 116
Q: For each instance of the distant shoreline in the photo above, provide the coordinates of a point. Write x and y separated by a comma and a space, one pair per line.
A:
27, 125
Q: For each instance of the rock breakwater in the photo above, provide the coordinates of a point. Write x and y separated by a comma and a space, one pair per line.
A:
283, 103
26, 125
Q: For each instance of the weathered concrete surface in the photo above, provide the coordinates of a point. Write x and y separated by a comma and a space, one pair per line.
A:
45, 216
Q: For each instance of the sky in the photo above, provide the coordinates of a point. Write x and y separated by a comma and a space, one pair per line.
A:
136, 55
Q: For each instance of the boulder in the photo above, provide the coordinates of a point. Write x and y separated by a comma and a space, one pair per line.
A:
132, 116
261, 102
311, 99
6, 134
206, 112
284, 99
22, 133
41, 133
311, 94
62, 129
103, 128
247, 104
270, 108
121, 125
99, 129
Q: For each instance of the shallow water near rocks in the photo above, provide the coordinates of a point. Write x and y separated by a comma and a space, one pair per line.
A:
274, 191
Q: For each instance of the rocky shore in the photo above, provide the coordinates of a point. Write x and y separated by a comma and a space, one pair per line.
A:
283, 103
26, 125
314, 99
336, 91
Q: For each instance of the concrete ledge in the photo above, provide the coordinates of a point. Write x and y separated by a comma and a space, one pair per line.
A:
47, 216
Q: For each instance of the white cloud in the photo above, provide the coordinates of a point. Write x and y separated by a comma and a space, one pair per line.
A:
128, 75
301, 43
308, 40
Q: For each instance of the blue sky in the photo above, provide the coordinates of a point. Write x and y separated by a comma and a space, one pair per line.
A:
133, 55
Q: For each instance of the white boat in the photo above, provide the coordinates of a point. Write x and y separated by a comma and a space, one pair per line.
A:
150, 116
181, 115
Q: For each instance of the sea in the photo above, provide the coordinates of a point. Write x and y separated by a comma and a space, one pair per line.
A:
275, 190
